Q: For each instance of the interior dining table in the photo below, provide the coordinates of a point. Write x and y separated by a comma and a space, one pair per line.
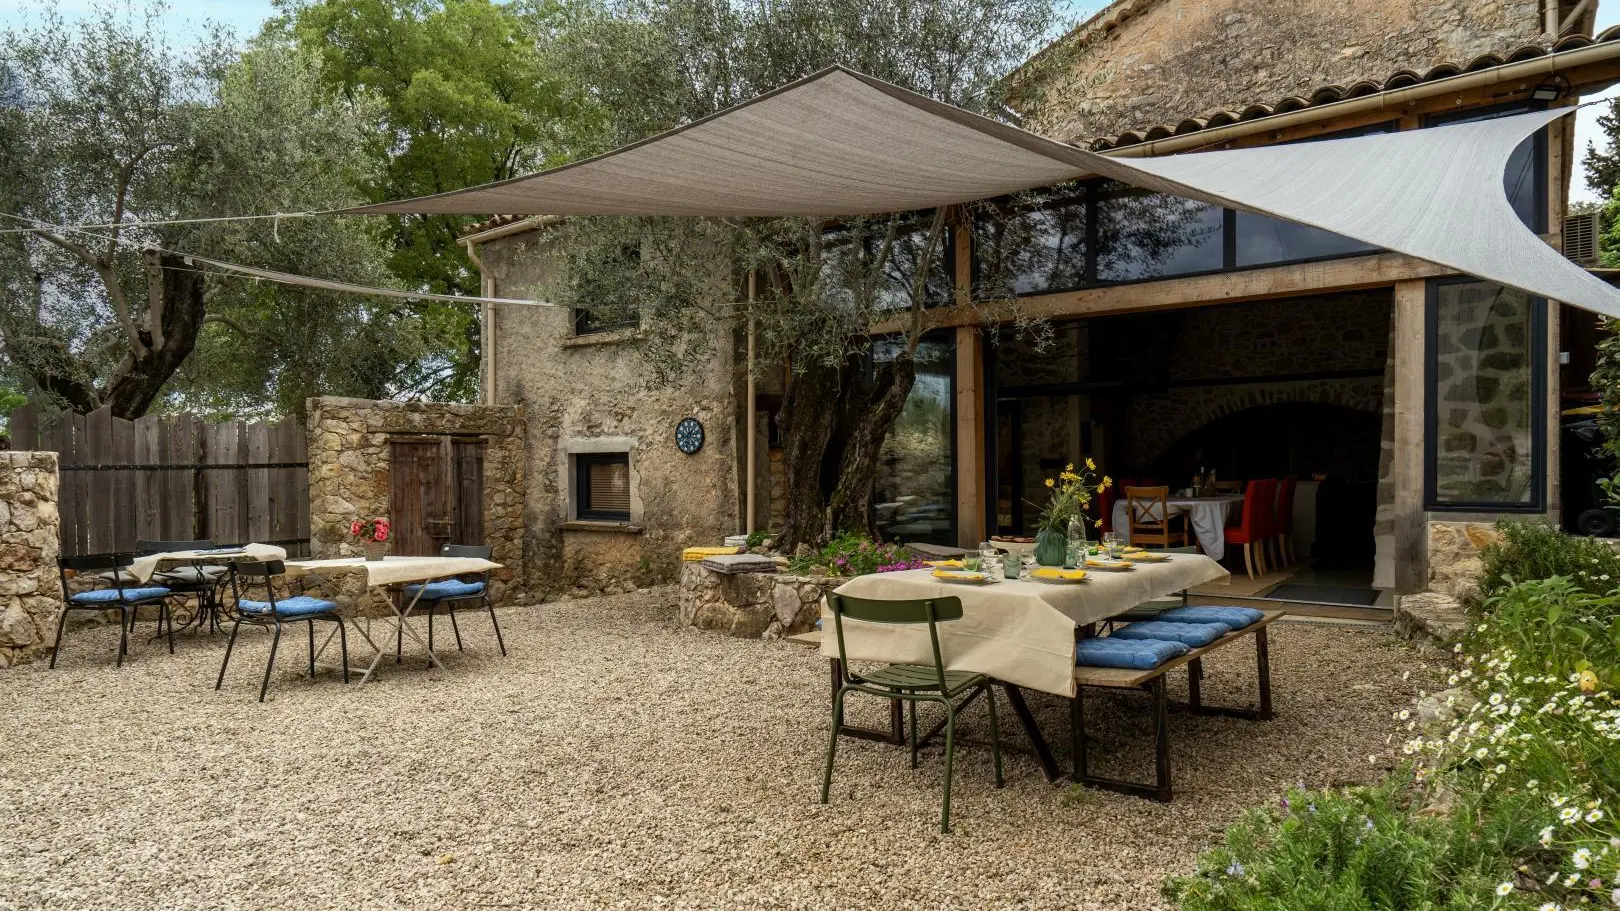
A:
1206, 515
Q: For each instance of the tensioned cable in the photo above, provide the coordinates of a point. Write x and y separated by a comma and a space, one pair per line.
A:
287, 278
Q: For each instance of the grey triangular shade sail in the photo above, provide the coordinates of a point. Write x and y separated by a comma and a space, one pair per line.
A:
841, 143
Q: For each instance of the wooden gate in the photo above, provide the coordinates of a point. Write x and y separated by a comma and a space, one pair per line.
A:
436, 494
173, 478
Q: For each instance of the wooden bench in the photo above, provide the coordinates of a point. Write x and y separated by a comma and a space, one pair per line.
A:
1153, 681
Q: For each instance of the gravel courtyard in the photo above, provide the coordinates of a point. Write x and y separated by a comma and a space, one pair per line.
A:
616, 761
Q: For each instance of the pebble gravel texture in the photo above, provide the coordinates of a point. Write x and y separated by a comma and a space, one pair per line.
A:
617, 761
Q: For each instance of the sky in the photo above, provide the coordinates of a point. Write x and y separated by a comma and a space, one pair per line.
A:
245, 16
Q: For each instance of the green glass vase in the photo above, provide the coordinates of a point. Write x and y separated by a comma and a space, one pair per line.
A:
1050, 544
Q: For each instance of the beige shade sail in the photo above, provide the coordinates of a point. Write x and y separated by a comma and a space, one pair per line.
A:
840, 143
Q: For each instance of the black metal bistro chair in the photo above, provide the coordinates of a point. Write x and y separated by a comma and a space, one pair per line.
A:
276, 612
125, 596
198, 580
911, 683
451, 595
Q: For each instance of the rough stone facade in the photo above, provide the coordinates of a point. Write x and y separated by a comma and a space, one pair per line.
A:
1454, 571
592, 394
1145, 62
349, 471
30, 540
751, 605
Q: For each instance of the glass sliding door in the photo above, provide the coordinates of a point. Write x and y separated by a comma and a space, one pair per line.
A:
915, 494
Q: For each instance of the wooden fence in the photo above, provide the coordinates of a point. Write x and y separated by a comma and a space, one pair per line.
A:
173, 477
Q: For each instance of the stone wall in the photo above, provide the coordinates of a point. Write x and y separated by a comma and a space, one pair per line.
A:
349, 471
1454, 570
30, 540
1147, 62
593, 393
751, 605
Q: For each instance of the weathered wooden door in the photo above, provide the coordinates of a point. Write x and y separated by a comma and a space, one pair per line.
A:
436, 493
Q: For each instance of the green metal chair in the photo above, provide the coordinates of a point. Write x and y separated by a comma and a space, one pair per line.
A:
912, 683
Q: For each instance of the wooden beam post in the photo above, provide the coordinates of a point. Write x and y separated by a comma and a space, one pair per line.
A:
970, 463
1411, 526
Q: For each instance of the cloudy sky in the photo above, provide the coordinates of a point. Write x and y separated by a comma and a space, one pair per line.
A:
244, 17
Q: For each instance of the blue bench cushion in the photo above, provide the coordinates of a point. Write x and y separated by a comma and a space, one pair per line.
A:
1196, 635
110, 595
443, 591
1131, 654
301, 606
1234, 617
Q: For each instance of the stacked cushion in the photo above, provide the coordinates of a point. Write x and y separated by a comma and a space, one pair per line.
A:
1234, 618
1195, 635
442, 591
131, 595
301, 606
1130, 654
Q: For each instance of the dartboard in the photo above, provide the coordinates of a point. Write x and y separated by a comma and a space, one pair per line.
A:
689, 435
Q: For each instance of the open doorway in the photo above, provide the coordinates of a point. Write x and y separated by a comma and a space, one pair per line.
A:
1291, 390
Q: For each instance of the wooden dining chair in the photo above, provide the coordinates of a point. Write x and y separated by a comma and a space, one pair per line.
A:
1285, 522
1152, 523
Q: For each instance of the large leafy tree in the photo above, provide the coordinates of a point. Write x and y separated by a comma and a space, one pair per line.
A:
823, 287
107, 124
465, 92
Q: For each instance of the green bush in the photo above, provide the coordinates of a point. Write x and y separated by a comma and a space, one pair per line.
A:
853, 554
1531, 551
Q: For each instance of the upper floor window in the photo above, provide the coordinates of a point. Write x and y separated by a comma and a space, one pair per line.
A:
1525, 181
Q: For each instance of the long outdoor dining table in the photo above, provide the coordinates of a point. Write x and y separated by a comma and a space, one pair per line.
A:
144, 567
392, 571
1020, 632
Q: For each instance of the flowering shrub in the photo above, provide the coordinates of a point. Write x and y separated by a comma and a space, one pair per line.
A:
1531, 551
1508, 803
370, 529
857, 555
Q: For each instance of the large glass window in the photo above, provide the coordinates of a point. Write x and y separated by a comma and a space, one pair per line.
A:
1035, 245
1525, 181
1486, 402
915, 494
1263, 240
1142, 235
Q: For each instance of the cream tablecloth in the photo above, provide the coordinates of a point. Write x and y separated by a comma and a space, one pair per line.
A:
1017, 631
144, 567
1208, 516
394, 570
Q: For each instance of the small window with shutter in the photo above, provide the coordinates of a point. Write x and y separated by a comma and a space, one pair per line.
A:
602, 482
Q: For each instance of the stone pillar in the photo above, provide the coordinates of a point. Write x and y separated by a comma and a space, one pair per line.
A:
30, 540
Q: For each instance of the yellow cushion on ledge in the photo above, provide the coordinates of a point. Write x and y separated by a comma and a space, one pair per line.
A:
694, 554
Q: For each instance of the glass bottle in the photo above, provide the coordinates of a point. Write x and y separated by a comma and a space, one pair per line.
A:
1075, 552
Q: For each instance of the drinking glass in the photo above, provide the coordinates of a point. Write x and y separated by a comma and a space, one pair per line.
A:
972, 562
1115, 543
1026, 564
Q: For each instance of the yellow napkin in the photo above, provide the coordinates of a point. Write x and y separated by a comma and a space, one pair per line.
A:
944, 564
1052, 572
958, 574
1106, 563
694, 554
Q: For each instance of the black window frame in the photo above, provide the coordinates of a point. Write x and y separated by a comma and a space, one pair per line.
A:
586, 323
582, 486
1431, 407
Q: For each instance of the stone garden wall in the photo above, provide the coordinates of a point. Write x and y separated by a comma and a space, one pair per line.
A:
751, 605
1454, 571
30, 539
349, 474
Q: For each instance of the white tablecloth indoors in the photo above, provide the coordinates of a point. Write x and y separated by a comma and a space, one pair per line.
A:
1208, 516
144, 567
1018, 631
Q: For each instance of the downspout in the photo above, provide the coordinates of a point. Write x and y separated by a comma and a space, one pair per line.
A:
749, 415
486, 331
1549, 18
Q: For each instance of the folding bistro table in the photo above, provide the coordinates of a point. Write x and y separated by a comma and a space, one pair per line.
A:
383, 573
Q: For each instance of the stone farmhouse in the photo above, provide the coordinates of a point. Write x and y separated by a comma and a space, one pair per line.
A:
1412, 404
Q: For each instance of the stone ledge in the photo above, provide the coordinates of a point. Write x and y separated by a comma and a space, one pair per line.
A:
609, 337
1431, 615
621, 528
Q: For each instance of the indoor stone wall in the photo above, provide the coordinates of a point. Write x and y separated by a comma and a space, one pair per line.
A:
30, 540
751, 605
1160, 420
1145, 62
1483, 389
349, 471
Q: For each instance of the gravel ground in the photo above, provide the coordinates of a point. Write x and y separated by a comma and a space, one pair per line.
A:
615, 761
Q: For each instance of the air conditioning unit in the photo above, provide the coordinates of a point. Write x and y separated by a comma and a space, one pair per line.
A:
1581, 238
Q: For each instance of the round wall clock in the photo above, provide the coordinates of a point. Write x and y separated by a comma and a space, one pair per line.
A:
689, 435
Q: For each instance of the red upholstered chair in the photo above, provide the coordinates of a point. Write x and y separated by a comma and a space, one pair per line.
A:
1251, 527
1285, 522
